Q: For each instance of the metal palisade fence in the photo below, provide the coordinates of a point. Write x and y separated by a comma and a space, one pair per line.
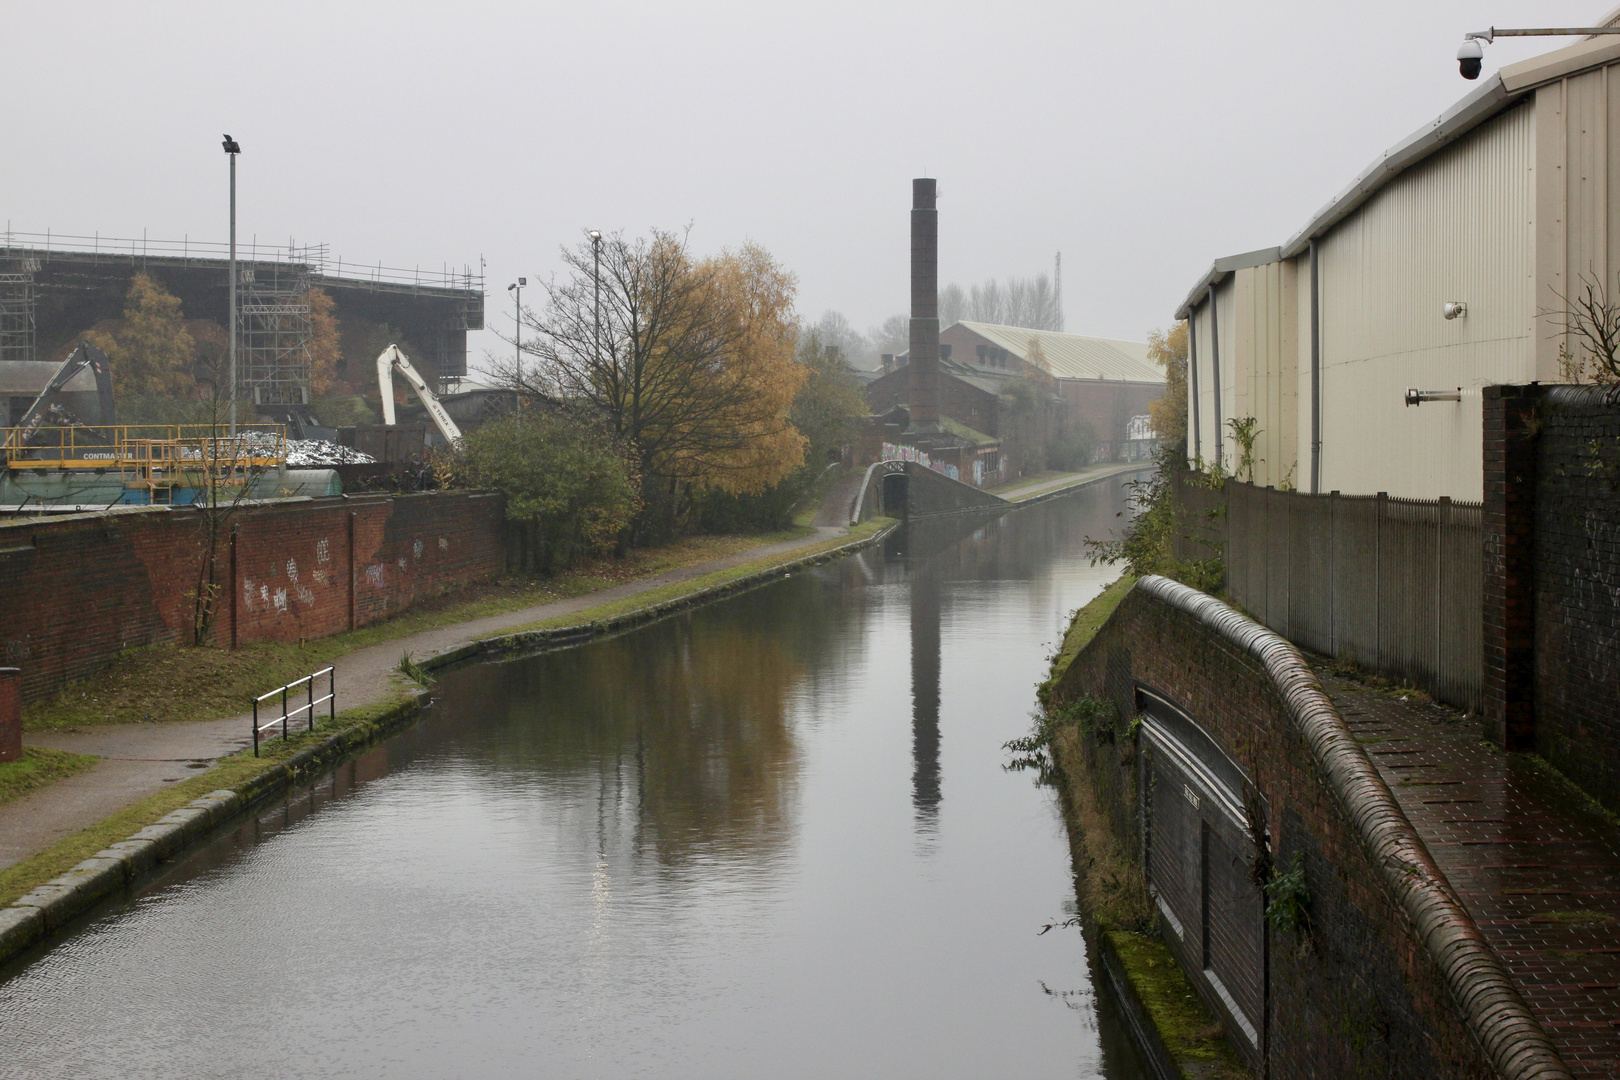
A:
1393, 585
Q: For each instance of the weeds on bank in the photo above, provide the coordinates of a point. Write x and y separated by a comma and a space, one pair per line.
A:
415, 672
39, 767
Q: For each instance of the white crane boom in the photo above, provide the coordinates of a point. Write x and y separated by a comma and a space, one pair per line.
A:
392, 359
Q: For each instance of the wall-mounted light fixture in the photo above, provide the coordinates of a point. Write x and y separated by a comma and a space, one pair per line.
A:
1418, 397
1454, 309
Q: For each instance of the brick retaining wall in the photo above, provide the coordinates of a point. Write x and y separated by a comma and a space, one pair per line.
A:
1552, 578
76, 591
1370, 992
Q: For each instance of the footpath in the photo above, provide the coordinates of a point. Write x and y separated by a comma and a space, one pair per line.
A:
1535, 862
1042, 488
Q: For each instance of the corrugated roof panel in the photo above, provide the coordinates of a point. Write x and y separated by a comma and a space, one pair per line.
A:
1073, 356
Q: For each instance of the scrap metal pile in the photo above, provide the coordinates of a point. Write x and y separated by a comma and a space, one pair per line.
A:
305, 453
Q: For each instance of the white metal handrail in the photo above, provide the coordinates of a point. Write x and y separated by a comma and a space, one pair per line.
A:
308, 681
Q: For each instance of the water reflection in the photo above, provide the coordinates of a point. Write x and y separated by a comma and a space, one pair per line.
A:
925, 794
715, 847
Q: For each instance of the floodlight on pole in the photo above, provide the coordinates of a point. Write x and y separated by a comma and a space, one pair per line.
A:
1470, 57
516, 289
232, 148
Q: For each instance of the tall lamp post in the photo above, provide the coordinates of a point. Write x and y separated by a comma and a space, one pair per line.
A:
596, 297
232, 148
517, 318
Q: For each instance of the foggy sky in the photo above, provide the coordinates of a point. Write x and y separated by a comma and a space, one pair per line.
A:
1142, 140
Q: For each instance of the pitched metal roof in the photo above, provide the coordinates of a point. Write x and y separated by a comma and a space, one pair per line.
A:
1507, 88
1073, 356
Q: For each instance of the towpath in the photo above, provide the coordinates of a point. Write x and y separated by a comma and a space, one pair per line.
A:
139, 759
1536, 864
1076, 479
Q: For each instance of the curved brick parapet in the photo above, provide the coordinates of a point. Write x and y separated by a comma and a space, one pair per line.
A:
1496, 1015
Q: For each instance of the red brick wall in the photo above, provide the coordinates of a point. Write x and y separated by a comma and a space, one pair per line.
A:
1361, 998
1107, 406
10, 714
75, 592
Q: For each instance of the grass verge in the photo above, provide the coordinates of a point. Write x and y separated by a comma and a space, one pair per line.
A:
167, 683
1083, 626
698, 584
38, 767
230, 772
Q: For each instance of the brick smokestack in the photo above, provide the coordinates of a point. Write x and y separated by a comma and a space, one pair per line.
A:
924, 363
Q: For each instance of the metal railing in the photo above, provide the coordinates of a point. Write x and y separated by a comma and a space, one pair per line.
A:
1393, 585
308, 681
153, 446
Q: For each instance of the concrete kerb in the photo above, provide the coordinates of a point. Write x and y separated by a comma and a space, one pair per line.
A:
43, 912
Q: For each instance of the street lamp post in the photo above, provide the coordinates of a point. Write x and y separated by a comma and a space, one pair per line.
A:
596, 297
232, 148
517, 319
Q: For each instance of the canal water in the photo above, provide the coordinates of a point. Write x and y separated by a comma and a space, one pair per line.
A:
769, 838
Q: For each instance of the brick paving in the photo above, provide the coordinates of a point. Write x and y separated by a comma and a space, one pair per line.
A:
1537, 865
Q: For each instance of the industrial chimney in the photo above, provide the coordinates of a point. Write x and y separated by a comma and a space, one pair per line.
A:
924, 363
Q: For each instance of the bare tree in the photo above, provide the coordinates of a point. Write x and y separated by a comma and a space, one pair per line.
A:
1031, 303
1592, 319
651, 343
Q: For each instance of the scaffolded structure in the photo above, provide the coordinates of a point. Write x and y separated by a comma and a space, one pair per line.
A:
274, 329
17, 302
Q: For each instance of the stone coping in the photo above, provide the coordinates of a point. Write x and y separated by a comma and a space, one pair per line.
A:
1497, 1016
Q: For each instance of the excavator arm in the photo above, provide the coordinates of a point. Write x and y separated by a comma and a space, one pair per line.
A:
84, 354
392, 359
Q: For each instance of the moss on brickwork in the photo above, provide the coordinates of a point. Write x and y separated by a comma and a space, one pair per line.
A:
1189, 1032
1083, 626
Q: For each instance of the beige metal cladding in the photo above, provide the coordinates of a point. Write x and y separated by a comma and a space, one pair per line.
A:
1457, 226
1265, 367
1578, 186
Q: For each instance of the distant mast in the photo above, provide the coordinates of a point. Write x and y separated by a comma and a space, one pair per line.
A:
1057, 292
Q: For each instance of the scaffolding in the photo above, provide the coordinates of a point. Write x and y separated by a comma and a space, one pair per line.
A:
17, 302
273, 329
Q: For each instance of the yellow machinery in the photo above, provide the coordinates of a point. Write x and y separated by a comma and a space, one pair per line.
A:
152, 460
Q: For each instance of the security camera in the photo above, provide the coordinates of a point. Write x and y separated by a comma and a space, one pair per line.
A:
1469, 58
1454, 309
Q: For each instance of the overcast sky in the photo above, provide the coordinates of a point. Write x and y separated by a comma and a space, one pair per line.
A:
1142, 140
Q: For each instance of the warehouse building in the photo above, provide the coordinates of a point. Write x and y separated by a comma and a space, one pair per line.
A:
1442, 269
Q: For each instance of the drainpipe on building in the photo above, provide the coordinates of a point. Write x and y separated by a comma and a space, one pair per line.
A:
1215, 364
1316, 374
1192, 381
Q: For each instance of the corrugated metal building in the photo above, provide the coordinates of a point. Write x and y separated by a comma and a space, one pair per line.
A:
1503, 204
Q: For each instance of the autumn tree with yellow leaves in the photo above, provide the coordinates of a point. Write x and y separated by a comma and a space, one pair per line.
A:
151, 353
1168, 349
688, 362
